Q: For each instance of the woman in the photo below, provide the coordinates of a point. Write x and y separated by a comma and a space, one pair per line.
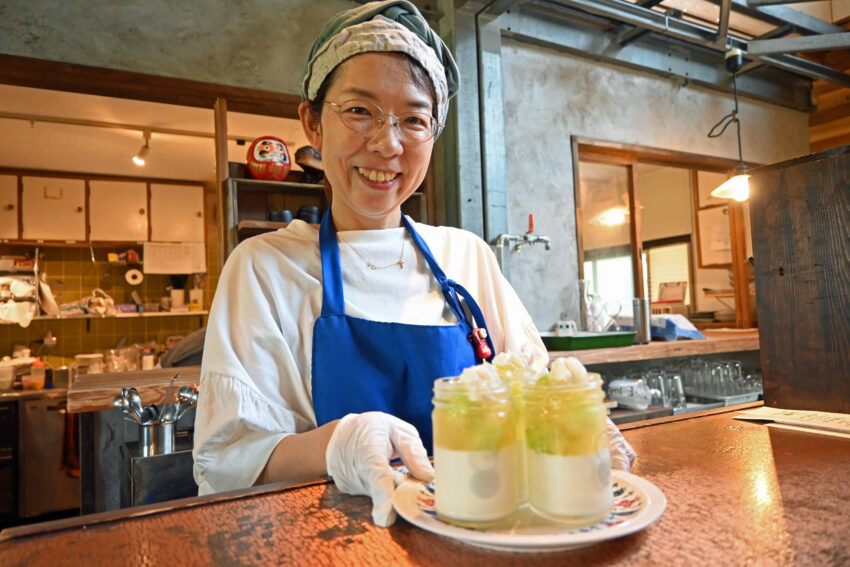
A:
322, 346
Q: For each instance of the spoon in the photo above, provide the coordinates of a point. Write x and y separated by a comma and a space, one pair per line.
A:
165, 405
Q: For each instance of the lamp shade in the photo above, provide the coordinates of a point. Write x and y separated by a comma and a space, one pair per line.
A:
139, 158
736, 187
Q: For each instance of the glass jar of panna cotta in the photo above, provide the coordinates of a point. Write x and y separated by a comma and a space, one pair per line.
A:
569, 464
475, 453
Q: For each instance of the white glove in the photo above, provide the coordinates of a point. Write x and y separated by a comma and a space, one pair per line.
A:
622, 454
359, 454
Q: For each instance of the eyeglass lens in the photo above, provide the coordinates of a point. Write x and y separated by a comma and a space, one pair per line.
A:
362, 116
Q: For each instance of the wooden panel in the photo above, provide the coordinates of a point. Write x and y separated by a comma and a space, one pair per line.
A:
9, 207
54, 75
737, 493
94, 392
177, 213
118, 210
53, 209
800, 211
718, 342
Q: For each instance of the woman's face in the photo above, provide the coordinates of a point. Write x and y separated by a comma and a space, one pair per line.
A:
351, 159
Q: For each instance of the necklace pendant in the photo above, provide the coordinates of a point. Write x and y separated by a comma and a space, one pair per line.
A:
400, 264
373, 266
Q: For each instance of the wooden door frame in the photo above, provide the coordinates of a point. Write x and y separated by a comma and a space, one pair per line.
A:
629, 155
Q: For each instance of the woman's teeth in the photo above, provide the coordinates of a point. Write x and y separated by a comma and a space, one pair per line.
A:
374, 175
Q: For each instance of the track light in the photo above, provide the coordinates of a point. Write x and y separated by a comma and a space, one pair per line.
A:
139, 158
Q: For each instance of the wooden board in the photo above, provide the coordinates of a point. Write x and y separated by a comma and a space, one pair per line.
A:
717, 342
800, 212
95, 392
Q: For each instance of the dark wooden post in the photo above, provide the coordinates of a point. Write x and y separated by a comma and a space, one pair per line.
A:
800, 212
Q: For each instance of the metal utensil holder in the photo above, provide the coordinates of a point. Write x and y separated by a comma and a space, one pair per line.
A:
156, 438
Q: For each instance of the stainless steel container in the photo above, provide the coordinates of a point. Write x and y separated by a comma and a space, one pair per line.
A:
642, 311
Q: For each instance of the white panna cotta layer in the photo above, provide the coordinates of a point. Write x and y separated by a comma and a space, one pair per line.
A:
475, 486
570, 487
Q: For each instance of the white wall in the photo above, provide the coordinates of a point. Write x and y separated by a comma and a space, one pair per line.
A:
550, 96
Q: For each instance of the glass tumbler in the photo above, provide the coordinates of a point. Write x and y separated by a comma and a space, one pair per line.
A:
569, 464
475, 452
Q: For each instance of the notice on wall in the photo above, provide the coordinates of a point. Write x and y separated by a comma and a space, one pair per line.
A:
174, 258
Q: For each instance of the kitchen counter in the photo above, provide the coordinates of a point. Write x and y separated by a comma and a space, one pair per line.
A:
717, 341
20, 395
95, 392
738, 493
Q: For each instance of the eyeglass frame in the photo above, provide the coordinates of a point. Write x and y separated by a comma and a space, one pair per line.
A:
380, 120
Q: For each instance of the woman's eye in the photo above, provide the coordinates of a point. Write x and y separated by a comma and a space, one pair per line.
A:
416, 121
358, 111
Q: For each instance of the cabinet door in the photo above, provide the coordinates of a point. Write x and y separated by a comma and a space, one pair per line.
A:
9, 207
54, 209
118, 210
177, 213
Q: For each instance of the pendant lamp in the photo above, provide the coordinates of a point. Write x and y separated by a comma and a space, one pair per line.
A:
738, 186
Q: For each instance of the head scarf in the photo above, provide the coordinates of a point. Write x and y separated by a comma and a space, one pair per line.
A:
388, 26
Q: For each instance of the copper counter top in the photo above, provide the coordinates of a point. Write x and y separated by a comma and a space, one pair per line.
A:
738, 493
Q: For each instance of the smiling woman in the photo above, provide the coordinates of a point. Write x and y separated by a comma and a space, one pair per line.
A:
320, 359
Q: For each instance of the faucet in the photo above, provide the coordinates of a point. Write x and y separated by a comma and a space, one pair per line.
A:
504, 241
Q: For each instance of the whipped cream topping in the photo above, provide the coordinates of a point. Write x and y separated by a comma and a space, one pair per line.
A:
569, 371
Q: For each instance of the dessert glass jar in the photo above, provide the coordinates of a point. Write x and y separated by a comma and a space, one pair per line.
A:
475, 453
569, 464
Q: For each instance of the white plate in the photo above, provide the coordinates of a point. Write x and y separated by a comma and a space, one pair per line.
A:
637, 504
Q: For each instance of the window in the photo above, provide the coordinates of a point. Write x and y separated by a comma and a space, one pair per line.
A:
668, 263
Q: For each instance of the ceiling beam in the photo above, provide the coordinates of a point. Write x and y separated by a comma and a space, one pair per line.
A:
756, 3
723, 24
498, 7
779, 15
799, 44
778, 31
626, 12
579, 34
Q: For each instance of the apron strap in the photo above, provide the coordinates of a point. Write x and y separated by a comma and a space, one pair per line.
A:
448, 292
333, 300
450, 288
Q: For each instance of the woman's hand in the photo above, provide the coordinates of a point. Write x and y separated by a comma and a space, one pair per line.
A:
359, 454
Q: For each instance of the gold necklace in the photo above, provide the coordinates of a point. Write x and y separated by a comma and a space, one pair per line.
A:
400, 263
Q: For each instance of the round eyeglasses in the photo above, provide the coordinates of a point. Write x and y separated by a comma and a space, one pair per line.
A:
366, 117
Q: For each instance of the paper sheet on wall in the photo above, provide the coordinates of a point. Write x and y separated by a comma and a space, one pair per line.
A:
720, 239
174, 258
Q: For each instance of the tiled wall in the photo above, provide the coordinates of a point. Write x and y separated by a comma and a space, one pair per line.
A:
72, 275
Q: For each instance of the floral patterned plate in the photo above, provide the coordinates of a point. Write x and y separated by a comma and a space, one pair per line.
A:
637, 504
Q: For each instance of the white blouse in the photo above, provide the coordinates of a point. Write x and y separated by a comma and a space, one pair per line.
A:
256, 371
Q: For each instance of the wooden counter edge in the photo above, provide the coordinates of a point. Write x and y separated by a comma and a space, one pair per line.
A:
692, 415
88, 520
717, 343
95, 392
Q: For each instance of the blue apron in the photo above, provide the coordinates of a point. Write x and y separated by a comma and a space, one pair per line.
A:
361, 365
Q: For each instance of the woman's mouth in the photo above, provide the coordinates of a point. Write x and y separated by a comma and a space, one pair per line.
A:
377, 176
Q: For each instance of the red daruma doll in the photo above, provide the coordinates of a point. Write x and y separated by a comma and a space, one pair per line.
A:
268, 159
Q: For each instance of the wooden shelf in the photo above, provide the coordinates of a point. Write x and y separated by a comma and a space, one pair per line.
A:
257, 185
247, 228
717, 342
729, 293
122, 315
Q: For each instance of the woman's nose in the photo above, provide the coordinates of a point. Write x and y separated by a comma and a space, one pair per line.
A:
386, 138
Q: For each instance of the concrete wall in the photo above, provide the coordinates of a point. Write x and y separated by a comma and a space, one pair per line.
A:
254, 44
550, 96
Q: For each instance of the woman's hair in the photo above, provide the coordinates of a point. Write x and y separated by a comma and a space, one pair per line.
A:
417, 73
